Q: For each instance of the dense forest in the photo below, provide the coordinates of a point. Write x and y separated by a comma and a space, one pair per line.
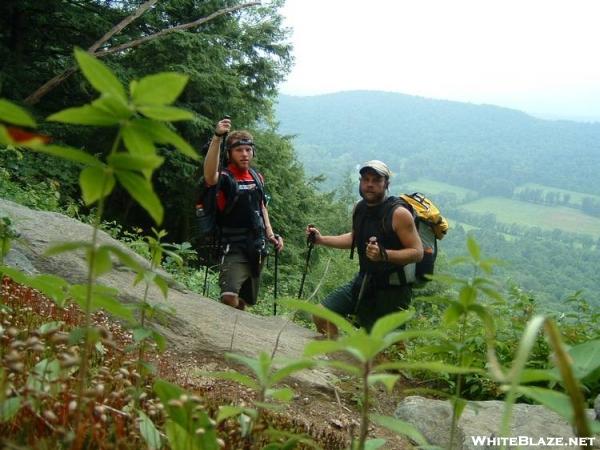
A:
234, 63
477, 152
482, 147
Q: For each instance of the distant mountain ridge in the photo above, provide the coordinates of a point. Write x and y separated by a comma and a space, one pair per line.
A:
483, 147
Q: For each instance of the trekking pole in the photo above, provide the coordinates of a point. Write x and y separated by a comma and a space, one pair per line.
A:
204, 287
365, 281
275, 282
310, 241
223, 151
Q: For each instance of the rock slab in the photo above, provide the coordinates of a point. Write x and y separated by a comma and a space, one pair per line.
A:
479, 425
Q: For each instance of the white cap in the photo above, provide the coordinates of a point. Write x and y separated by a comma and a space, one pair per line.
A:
380, 167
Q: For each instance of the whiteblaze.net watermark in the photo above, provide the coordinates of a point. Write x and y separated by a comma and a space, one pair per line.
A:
528, 441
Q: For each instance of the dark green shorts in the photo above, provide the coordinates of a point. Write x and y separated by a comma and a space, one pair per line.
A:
236, 278
373, 306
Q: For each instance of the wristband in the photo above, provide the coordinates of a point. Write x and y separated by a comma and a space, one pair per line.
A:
220, 135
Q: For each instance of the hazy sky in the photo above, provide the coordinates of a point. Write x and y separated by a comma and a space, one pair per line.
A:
540, 56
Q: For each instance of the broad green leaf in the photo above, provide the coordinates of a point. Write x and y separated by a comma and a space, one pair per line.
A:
62, 247
125, 258
165, 113
374, 444
50, 327
322, 347
362, 346
234, 376
227, 411
400, 427
102, 262
139, 334
146, 275
99, 75
447, 279
158, 89
111, 305
554, 400
260, 366
467, 295
432, 366
102, 297
9, 408
458, 405
84, 115
166, 392
162, 285
96, 183
453, 313
78, 335
160, 341
137, 140
142, 192
128, 161
537, 375
390, 323
341, 323
586, 358
281, 394
180, 438
11, 113
47, 370
162, 134
52, 286
388, 380
289, 369
473, 248
113, 106
5, 138
68, 153
149, 431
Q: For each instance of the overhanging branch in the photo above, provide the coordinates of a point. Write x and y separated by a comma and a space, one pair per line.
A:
36, 96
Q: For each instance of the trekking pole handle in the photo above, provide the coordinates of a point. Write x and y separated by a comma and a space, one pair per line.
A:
311, 237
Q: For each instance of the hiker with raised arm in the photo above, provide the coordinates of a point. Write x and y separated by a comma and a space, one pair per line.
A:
386, 240
242, 215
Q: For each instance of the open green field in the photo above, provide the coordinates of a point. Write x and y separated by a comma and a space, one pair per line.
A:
576, 198
431, 188
545, 217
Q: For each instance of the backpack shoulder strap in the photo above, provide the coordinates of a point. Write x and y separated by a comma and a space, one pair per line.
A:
394, 203
260, 182
226, 178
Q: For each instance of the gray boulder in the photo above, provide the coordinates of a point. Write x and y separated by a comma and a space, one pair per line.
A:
201, 326
480, 422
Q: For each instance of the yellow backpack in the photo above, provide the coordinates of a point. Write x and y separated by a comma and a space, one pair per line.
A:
425, 211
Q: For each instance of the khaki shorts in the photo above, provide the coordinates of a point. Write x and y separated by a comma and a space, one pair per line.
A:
235, 278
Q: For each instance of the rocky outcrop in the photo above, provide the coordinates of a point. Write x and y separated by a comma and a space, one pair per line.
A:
479, 425
200, 325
